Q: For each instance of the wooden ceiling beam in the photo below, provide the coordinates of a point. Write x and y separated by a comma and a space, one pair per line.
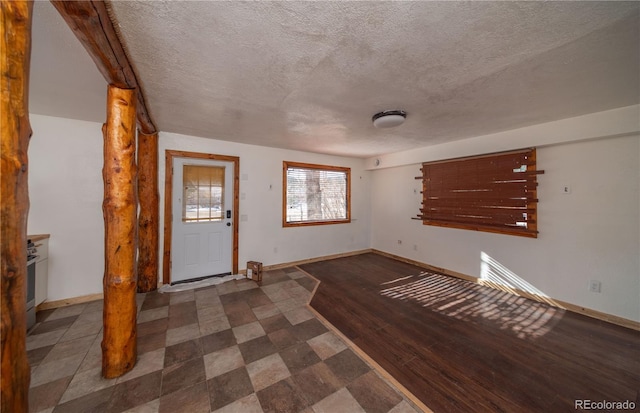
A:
90, 22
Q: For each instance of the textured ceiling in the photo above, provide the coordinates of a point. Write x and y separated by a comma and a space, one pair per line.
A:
309, 75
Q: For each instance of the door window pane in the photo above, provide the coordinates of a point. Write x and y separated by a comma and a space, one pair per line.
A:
203, 193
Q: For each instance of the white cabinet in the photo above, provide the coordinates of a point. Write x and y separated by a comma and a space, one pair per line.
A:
42, 270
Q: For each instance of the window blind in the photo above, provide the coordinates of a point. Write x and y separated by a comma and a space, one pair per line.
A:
315, 194
203, 193
197, 175
494, 193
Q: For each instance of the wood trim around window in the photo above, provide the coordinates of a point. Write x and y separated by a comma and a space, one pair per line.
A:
490, 193
286, 165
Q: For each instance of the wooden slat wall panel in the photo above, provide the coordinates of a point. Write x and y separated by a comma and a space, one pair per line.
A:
497, 191
474, 226
506, 213
482, 202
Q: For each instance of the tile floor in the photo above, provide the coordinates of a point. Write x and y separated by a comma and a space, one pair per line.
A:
234, 347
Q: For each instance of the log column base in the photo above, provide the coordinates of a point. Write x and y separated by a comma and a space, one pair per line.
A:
119, 352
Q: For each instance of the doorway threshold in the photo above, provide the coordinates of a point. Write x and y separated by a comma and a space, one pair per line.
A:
199, 282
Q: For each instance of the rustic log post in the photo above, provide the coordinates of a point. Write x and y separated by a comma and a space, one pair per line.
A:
15, 131
148, 218
120, 224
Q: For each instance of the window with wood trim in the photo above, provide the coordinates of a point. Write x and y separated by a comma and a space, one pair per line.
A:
492, 193
315, 194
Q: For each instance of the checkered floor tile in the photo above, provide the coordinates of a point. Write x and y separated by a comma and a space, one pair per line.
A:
232, 347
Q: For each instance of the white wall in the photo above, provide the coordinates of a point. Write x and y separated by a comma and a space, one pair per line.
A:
260, 169
66, 191
614, 122
591, 234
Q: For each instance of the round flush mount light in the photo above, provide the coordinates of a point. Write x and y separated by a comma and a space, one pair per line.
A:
389, 118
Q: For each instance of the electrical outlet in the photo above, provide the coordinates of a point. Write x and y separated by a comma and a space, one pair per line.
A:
275, 250
595, 286
566, 189
415, 247
399, 242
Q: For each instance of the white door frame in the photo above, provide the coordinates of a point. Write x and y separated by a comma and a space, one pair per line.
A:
168, 205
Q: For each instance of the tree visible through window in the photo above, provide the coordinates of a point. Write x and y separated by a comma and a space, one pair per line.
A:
315, 194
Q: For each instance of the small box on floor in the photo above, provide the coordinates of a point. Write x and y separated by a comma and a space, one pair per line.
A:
254, 271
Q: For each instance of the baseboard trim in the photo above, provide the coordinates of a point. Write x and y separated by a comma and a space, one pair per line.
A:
47, 305
610, 318
91, 297
310, 260
613, 319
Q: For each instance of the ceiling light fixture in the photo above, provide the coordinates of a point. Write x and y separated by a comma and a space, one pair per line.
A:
389, 118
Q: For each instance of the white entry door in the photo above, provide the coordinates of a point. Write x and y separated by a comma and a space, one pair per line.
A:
202, 237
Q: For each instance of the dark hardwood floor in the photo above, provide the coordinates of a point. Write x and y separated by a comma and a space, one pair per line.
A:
461, 347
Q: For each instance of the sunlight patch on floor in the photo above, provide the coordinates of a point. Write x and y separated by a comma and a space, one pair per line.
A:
467, 301
496, 275
400, 279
